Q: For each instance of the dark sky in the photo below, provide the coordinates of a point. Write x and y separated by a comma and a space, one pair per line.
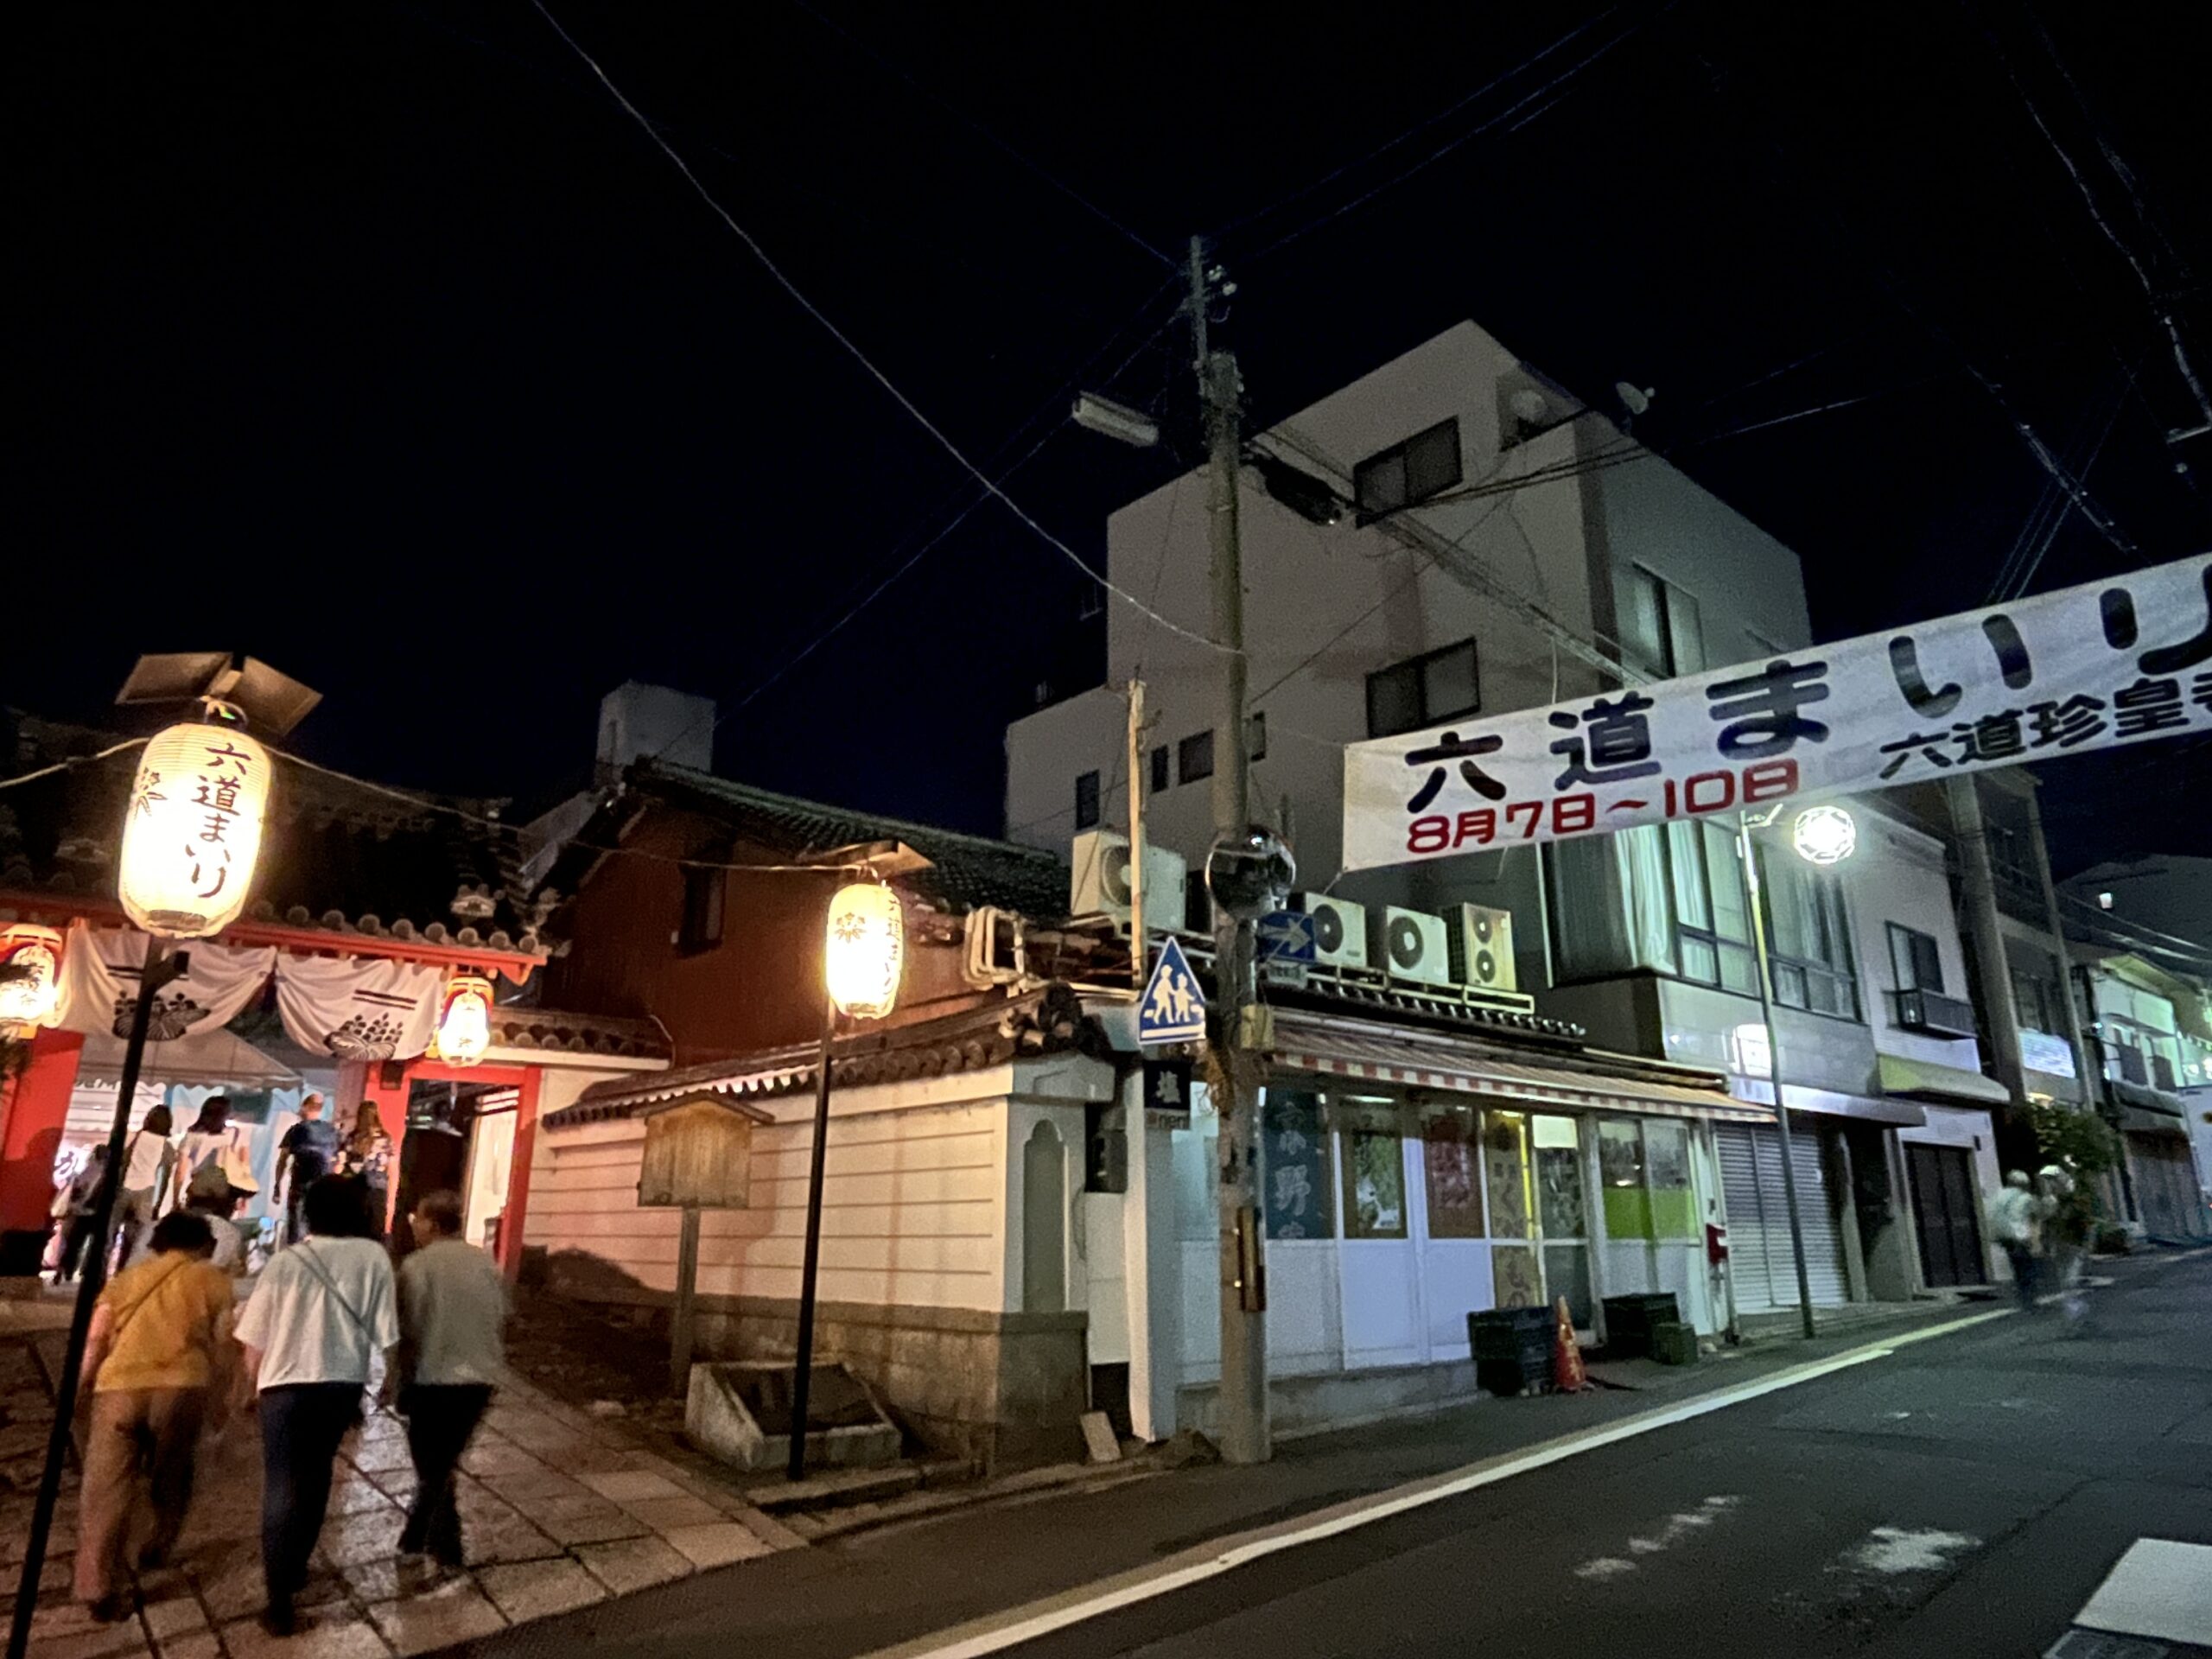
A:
374, 339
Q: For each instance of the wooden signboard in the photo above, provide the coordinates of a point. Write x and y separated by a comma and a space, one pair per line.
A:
698, 1155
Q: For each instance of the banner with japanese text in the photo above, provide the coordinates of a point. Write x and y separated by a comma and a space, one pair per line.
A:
2120, 661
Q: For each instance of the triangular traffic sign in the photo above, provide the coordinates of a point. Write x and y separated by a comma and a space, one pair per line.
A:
1173, 1009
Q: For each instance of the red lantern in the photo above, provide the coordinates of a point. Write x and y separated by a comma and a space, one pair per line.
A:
30, 977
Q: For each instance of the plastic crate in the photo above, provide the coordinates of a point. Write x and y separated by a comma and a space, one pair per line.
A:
1507, 1332
1629, 1321
1673, 1344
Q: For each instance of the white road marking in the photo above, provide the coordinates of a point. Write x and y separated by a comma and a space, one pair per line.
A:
994, 1633
1911, 1549
2160, 1589
1605, 1566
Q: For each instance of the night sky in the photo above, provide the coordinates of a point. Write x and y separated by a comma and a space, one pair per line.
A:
376, 341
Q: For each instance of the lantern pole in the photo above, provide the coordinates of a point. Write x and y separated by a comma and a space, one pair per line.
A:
803, 1376
160, 970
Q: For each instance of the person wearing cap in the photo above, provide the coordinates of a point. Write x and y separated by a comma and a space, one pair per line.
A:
210, 1195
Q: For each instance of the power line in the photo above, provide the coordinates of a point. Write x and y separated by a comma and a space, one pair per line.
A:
800, 298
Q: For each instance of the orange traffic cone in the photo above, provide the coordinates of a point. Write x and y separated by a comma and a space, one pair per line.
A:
1568, 1375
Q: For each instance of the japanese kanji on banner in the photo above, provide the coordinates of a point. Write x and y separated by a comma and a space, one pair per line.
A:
2121, 661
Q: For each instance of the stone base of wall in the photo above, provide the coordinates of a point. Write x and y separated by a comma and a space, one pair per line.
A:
1338, 1399
1002, 1390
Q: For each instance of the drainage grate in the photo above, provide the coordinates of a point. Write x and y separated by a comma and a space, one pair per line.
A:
2078, 1644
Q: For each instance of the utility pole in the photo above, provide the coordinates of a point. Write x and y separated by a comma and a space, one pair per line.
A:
1977, 885
1244, 1398
1749, 854
1140, 946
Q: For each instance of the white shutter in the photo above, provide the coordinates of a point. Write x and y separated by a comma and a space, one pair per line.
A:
1739, 1186
1760, 1255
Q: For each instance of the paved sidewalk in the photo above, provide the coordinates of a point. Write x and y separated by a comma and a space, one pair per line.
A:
559, 1512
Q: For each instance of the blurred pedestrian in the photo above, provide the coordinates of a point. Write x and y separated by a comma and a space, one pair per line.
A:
453, 1308
210, 1195
205, 1143
367, 1154
80, 1200
2015, 1216
304, 1154
2069, 1220
157, 1368
149, 1171
321, 1318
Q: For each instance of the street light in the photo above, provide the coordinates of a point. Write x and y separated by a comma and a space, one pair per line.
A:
1822, 835
191, 839
863, 954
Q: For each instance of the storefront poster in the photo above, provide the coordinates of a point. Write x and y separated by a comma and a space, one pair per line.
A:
2116, 662
1294, 1151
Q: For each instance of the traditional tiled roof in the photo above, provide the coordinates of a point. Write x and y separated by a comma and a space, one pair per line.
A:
966, 870
552, 1031
338, 856
990, 1033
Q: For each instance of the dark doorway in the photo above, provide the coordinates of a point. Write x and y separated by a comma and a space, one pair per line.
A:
434, 1155
1947, 1216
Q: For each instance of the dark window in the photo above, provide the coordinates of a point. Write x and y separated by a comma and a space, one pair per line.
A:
1086, 800
2030, 1003
1424, 690
1713, 917
1407, 473
1159, 769
1661, 628
1255, 737
1913, 955
702, 909
1194, 757
1808, 940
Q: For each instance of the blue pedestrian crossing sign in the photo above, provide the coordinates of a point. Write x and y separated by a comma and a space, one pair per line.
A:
1173, 1009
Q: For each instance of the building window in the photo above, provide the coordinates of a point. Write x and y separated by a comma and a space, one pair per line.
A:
1712, 915
2031, 1005
701, 927
1086, 800
1914, 959
1159, 769
1407, 473
1194, 757
1424, 690
1660, 630
1255, 738
1809, 938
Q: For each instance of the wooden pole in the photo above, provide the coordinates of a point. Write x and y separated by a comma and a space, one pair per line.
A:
687, 1296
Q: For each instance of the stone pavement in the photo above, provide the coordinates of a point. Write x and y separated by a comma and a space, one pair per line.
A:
559, 1512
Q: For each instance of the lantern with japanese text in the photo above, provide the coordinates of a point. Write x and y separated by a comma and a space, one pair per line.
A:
30, 977
465, 1019
193, 833
865, 949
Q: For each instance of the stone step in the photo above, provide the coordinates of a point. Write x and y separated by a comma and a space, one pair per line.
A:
836, 1488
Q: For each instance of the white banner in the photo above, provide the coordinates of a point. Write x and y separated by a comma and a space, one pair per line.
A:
2121, 661
358, 1007
99, 977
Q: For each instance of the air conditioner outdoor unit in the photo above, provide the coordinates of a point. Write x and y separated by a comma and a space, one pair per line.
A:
1409, 945
1482, 948
1099, 882
1339, 929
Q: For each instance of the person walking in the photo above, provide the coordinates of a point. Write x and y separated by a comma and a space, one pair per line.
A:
156, 1364
2015, 1217
453, 1306
321, 1315
205, 1143
2069, 1220
367, 1154
149, 1170
304, 1154
80, 1200
210, 1195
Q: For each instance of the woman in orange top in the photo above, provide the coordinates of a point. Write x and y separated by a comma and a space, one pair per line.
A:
157, 1366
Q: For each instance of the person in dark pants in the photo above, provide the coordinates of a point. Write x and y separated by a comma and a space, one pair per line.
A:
82, 1198
452, 1303
321, 1315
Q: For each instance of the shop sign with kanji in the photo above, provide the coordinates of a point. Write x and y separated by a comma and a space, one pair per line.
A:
2108, 663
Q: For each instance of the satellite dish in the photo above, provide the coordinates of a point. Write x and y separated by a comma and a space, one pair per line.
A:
1529, 406
1635, 402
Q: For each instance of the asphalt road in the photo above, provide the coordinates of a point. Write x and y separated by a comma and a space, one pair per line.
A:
1964, 1495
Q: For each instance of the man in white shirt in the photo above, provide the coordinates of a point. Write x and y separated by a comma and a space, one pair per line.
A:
323, 1311
453, 1305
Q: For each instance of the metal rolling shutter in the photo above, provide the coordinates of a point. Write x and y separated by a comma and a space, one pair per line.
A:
1758, 1222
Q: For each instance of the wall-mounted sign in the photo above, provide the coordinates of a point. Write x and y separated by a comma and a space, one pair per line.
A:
2041, 1051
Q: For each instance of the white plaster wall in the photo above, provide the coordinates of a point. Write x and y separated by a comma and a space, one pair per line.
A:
1897, 875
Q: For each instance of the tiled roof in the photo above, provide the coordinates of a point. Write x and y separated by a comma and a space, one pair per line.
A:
553, 1031
967, 870
337, 856
989, 1033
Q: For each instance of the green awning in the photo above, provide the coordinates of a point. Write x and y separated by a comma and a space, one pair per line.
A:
1925, 1079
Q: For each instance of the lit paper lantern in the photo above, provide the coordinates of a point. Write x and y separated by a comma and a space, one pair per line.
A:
30, 993
193, 833
465, 1019
865, 949
1824, 834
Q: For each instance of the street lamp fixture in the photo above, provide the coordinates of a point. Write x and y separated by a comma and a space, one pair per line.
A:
1825, 836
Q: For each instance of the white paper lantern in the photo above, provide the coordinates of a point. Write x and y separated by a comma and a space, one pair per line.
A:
193, 832
1824, 834
30, 995
865, 950
465, 1019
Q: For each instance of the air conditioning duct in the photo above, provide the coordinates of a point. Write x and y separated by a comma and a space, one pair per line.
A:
1409, 945
1482, 948
1339, 929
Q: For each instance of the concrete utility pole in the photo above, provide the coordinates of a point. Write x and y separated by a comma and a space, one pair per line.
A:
1140, 946
2016, 1141
1244, 1398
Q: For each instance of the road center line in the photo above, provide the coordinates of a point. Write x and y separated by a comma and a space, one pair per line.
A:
995, 1632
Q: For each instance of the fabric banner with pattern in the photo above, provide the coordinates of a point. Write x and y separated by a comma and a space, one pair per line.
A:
358, 1009
99, 980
